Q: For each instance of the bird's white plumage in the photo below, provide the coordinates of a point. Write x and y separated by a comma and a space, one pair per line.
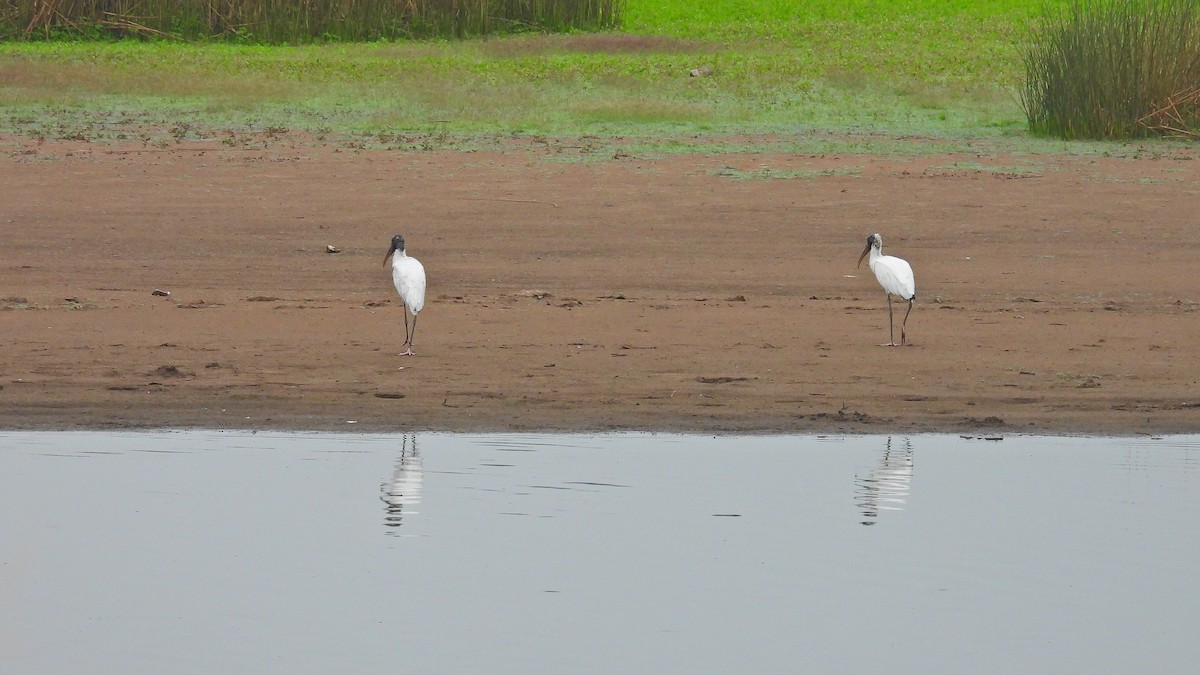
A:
408, 275
894, 274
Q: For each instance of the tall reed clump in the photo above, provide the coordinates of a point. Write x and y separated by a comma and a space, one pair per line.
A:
1108, 69
298, 21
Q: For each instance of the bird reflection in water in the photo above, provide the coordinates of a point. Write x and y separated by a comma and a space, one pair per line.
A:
403, 492
886, 488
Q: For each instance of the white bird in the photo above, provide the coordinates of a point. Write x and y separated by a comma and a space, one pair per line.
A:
896, 277
408, 275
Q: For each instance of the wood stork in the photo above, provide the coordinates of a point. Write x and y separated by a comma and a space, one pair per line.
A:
408, 275
896, 277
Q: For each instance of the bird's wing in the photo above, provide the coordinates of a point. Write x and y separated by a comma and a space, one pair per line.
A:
896, 276
409, 277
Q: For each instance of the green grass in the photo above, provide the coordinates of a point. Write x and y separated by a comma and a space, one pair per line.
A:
871, 73
474, 86
767, 173
976, 167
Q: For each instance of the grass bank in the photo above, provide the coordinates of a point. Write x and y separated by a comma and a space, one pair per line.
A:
943, 69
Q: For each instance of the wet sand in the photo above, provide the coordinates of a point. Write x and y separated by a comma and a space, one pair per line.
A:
1056, 294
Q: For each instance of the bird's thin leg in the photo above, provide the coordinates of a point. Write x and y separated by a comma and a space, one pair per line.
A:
891, 327
904, 323
407, 336
412, 337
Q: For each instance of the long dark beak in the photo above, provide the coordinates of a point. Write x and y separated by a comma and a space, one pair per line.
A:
389, 253
864, 254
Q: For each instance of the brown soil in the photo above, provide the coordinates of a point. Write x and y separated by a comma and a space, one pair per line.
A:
631, 293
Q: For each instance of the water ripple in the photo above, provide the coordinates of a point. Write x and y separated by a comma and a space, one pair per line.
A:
888, 485
402, 493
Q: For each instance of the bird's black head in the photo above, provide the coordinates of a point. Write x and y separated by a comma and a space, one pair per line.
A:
397, 245
872, 241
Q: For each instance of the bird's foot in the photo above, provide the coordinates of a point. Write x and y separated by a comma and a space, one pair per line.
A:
408, 352
889, 344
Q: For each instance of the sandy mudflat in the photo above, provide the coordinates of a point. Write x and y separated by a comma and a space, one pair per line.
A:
630, 293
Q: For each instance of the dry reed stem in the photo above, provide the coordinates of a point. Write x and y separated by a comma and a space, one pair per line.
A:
123, 23
286, 21
1173, 115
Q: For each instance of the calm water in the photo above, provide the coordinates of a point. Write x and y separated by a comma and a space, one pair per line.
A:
439, 553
